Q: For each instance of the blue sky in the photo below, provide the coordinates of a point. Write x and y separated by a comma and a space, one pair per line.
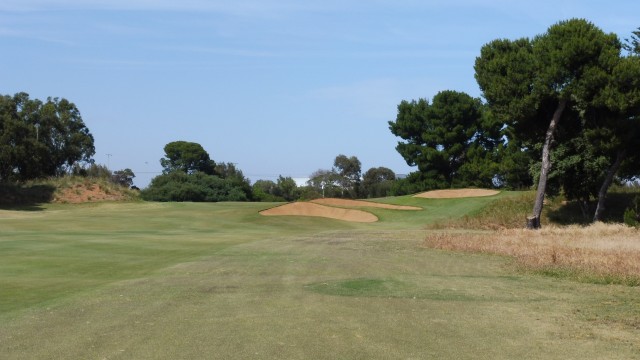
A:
276, 86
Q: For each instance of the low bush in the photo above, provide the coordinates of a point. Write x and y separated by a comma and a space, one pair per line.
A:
197, 187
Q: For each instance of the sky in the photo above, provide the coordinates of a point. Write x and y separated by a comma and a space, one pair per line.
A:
277, 87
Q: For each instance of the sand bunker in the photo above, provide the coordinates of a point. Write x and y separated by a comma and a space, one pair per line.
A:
361, 203
311, 209
456, 193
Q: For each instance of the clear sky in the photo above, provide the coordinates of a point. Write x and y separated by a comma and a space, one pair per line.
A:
279, 87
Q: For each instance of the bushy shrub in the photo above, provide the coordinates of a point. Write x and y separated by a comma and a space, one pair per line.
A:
197, 187
631, 215
414, 183
93, 170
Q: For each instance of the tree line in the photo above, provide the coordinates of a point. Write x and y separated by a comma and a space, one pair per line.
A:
560, 112
189, 174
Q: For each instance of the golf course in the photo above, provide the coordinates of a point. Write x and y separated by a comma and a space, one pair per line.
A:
147, 280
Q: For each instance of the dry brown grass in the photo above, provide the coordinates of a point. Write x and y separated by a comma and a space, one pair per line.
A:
600, 253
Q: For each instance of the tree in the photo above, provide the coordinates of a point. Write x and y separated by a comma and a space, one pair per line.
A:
621, 120
123, 177
187, 157
197, 187
441, 137
377, 182
230, 172
265, 190
41, 139
534, 84
350, 173
190, 175
325, 182
287, 188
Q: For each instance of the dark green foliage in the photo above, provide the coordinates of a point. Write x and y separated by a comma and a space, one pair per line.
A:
545, 88
40, 139
187, 157
285, 189
309, 193
452, 141
197, 187
632, 213
326, 183
631, 217
123, 177
377, 182
414, 183
92, 171
514, 162
632, 45
189, 176
349, 170
232, 174
265, 190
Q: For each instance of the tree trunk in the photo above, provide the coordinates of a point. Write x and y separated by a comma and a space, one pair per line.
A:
533, 223
602, 194
546, 163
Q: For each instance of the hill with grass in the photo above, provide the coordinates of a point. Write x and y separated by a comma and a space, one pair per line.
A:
65, 190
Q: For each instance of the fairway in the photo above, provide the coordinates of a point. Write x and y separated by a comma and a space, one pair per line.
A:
220, 281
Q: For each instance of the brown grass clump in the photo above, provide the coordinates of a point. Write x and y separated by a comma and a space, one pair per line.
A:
599, 253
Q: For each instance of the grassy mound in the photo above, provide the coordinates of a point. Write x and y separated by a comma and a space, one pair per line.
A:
511, 209
68, 189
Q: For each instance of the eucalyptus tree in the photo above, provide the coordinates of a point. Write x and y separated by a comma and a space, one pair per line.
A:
40, 139
377, 182
349, 170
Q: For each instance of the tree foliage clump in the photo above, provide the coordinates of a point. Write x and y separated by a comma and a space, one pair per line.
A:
41, 139
345, 180
188, 157
557, 91
190, 175
377, 182
197, 187
453, 141
123, 177
285, 189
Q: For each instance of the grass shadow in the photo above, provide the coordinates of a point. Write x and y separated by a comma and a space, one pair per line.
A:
25, 198
571, 213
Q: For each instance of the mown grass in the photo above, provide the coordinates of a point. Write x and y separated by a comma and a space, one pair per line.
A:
219, 281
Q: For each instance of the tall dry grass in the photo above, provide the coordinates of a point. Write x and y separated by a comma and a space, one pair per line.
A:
600, 253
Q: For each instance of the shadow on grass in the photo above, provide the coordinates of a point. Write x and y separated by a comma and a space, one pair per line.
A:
572, 213
25, 198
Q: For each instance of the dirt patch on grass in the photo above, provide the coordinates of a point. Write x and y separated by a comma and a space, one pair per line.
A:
317, 210
82, 193
456, 193
362, 203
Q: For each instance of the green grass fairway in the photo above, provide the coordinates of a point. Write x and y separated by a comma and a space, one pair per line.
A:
220, 281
